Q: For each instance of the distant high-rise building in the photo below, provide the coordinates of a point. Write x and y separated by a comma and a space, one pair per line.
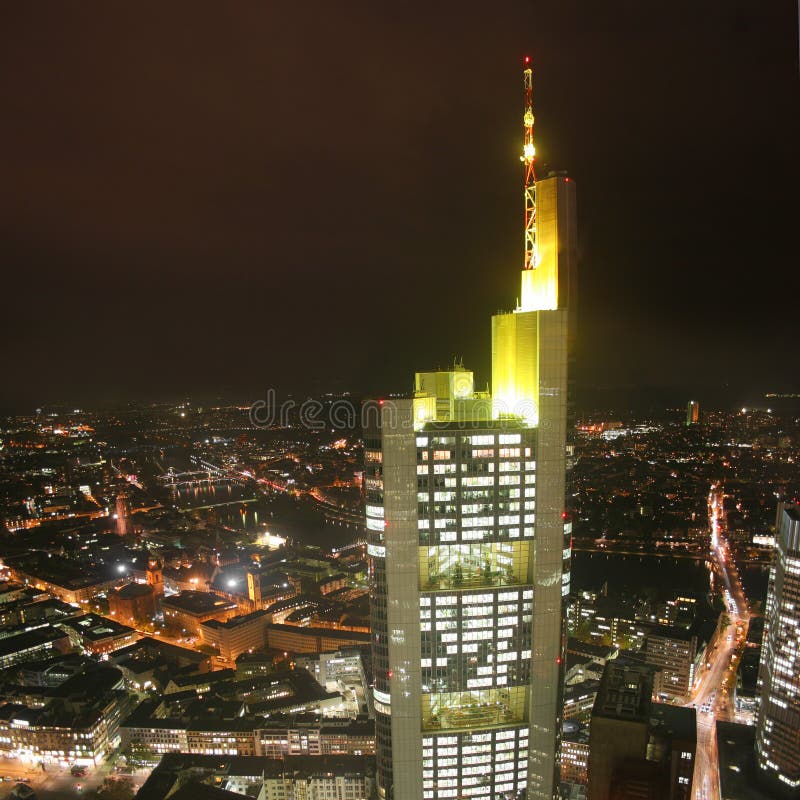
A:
692, 412
778, 725
470, 544
122, 513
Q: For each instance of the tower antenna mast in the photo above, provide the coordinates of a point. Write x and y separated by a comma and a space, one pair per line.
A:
528, 157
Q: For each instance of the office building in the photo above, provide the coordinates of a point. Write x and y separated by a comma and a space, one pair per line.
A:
469, 544
77, 721
247, 632
674, 652
31, 645
302, 639
778, 725
575, 754
98, 635
638, 748
186, 610
692, 412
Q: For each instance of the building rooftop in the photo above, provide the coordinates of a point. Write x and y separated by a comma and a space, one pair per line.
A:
328, 633
94, 628
625, 692
25, 641
669, 632
737, 764
674, 721
132, 590
156, 649
221, 768
236, 622
192, 602
196, 790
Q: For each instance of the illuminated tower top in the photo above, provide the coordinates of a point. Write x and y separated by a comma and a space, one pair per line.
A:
528, 157
540, 273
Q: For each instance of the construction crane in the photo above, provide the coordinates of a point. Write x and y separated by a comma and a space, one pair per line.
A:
528, 157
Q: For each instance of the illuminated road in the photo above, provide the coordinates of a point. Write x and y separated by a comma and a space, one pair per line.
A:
713, 691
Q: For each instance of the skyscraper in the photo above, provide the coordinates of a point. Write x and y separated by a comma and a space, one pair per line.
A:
692, 412
470, 543
778, 726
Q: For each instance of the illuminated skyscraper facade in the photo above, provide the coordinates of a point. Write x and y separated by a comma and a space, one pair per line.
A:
778, 727
470, 548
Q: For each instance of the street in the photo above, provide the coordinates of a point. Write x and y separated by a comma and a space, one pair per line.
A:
56, 783
712, 695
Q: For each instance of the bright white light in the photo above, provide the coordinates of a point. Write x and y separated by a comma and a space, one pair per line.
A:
232, 582
121, 568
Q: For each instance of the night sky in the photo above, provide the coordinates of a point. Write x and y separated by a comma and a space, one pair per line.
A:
219, 198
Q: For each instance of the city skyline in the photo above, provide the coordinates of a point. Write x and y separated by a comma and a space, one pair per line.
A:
377, 424
204, 213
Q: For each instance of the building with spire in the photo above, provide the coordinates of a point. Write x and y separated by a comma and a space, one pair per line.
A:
470, 542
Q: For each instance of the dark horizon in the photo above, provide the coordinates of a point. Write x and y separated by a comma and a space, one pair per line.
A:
198, 204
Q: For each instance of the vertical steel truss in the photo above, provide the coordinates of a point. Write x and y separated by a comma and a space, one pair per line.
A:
528, 157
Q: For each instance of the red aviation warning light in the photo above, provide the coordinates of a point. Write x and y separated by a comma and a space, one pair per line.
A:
528, 157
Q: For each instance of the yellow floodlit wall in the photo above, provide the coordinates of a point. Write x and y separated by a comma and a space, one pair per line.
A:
539, 290
515, 366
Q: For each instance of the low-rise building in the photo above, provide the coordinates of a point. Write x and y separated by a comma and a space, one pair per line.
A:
98, 635
66, 580
187, 610
213, 777
133, 602
33, 644
77, 721
297, 639
240, 634
247, 717
320, 777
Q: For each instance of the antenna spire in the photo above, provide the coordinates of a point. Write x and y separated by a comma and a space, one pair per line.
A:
528, 157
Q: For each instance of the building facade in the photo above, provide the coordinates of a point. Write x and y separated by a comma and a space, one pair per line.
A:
186, 610
674, 652
247, 632
778, 725
470, 551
